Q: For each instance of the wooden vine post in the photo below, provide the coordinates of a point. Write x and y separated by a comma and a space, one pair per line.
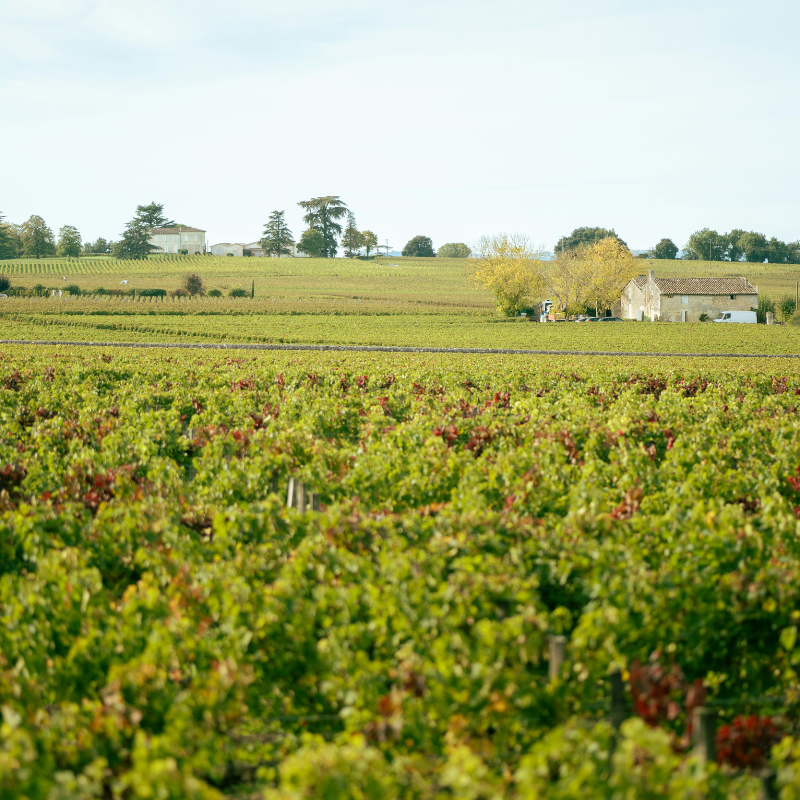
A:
298, 496
557, 647
618, 712
704, 731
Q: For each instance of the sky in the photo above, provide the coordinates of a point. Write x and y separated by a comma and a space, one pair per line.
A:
446, 118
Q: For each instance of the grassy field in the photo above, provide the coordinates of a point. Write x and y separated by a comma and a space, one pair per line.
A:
404, 302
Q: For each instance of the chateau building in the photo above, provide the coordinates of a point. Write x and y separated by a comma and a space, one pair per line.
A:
173, 240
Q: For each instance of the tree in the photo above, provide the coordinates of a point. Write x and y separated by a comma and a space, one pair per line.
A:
454, 250
277, 239
778, 252
754, 246
590, 276
8, 240
5, 283
582, 236
665, 249
135, 244
312, 243
609, 266
370, 241
568, 280
100, 246
37, 238
152, 216
419, 247
733, 248
352, 240
321, 215
511, 268
705, 245
69, 242
193, 284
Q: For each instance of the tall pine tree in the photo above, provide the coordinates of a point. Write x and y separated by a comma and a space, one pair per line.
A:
135, 243
277, 239
352, 239
152, 216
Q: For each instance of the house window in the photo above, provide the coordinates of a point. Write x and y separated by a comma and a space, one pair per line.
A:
185, 238
733, 297
685, 299
196, 238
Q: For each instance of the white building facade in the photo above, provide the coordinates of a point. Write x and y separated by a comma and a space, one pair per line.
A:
173, 240
253, 248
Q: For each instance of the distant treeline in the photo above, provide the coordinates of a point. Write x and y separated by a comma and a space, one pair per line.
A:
703, 245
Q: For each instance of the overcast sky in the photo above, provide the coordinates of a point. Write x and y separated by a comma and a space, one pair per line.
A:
449, 118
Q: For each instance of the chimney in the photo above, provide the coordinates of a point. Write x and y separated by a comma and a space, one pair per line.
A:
651, 275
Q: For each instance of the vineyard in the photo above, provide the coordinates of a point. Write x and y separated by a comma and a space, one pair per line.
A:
361, 322
172, 628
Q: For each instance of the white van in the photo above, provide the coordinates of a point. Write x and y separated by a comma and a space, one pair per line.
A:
737, 316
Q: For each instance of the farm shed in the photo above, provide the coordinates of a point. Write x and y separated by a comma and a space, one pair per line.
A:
685, 299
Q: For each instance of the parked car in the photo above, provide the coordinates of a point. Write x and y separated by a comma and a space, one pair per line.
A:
737, 316
611, 319
588, 319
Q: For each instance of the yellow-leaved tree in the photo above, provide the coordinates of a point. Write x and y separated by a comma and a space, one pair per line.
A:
568, 280
509, 266
610, 265
590, 276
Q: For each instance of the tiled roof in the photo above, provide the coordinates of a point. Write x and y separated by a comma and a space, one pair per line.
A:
640, 281
177, 230
709, 286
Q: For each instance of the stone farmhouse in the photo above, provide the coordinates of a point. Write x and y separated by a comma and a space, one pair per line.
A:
238, 248
173, 240
685, 299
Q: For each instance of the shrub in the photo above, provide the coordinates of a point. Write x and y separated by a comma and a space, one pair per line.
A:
238, 292
179, 292
704, 317
184, 252
765, 304
39, 289
215, 293
786, 307
454, 250
5, 283
794, 319
193, 284
73, 289
151, 292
